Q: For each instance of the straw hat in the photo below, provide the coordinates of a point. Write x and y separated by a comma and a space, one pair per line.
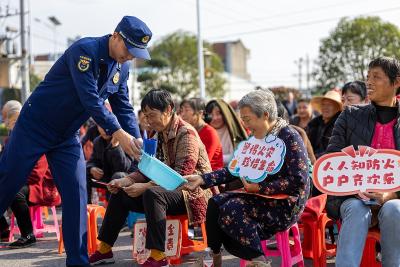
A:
331, 95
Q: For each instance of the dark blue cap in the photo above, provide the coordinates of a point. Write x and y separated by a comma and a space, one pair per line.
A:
136, 36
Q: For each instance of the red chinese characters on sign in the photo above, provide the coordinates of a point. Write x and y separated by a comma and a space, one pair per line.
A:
254, 159
172, 238
351, 171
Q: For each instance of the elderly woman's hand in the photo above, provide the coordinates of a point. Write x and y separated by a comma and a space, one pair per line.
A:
250, 187
115, 185
194, 181
380, 197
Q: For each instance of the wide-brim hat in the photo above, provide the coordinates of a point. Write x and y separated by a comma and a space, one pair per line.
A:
331, 95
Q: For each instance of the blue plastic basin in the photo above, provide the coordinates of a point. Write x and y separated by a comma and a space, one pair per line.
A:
159, 172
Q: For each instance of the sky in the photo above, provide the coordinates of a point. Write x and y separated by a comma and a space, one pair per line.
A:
277, 33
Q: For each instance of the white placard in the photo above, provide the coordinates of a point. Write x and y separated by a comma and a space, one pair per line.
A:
350, 171
255, 158
172, 238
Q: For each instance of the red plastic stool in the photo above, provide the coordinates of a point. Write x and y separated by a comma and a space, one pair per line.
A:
188, 245
290, 255
369, 254
314, 245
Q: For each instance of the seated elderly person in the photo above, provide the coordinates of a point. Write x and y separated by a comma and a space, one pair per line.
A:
319, 129
376, 125
180, 147
107, 162
240, 220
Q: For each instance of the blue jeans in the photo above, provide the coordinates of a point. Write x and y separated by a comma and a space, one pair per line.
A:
356, 218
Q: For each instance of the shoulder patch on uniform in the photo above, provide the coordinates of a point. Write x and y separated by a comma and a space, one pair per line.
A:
84, 63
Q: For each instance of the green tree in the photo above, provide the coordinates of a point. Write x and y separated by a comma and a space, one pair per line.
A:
174, 67
34, 81
345, 54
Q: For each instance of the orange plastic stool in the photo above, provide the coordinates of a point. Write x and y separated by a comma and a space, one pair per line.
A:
369, 257
37, 223
89, 239
94, 212
314, 245
290, 255
188, 245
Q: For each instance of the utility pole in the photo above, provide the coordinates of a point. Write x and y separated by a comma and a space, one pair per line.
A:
308, 76
299, 64
24, 56
202, 83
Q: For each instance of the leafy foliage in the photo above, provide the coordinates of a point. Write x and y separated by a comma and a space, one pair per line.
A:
174, 67
345, 54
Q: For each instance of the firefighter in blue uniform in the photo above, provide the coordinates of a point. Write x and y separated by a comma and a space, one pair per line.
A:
89, 72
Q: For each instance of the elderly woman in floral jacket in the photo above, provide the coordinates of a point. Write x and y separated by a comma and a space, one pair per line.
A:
180, 147
238, 220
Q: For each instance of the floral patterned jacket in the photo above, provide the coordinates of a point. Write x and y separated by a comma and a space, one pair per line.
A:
250, 218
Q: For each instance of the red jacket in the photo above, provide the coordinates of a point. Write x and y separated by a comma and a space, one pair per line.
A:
42, 190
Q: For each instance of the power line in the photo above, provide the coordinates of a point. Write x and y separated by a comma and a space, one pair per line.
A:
47, 39
219, 13
228, 8
280, 15
306, 23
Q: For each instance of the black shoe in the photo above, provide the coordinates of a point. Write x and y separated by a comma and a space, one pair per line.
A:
4, 235
23, 242
197, 233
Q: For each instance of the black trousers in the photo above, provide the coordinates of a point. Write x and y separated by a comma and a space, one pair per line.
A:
20, 209
156, 203
216, 237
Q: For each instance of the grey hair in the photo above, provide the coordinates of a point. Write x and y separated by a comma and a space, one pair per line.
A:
260, 101
12, 104
12, 111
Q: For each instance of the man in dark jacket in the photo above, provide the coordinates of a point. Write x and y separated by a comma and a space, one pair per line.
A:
376, 125
107, 162
319, 129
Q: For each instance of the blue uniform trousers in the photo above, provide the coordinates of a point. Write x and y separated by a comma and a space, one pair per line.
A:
26, 145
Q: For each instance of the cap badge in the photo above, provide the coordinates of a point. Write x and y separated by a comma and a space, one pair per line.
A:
145, 39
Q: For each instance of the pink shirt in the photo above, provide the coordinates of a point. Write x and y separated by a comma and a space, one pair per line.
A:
384, 136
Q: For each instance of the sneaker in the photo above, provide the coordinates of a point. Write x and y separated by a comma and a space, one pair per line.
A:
150, 262
23, 242
99, 258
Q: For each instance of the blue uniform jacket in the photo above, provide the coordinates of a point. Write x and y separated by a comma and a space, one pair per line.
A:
75, 89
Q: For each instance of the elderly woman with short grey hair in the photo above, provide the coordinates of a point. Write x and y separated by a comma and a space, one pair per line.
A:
240, 220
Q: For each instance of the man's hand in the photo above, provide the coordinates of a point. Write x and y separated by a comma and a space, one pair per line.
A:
97, 173
194, 181
128, 143
137, 189
137, 146
114, 142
